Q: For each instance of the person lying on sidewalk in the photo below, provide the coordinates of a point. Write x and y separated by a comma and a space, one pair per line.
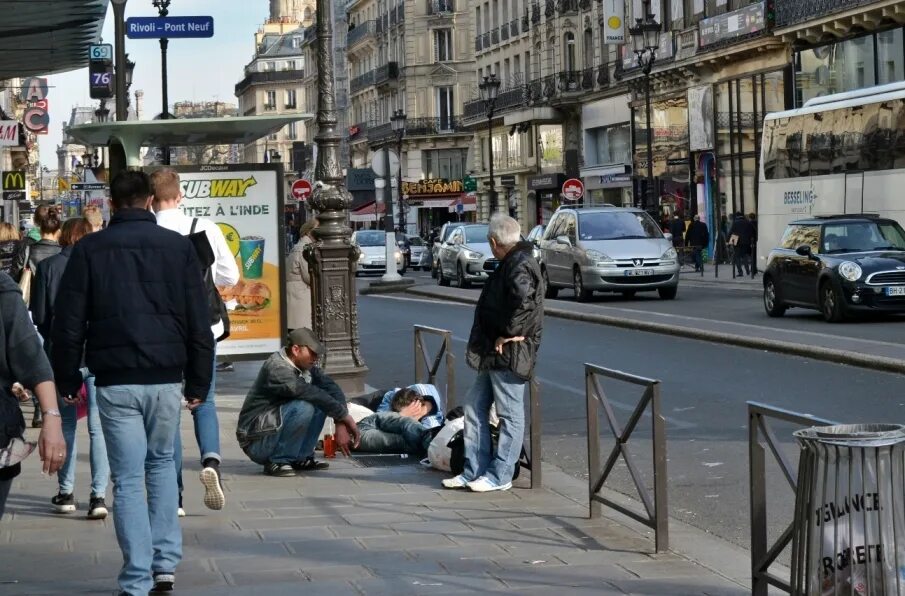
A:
285, 410
430, 398
406, 426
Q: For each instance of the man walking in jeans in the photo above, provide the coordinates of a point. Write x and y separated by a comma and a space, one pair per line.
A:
135, 302
502, 347
224, 273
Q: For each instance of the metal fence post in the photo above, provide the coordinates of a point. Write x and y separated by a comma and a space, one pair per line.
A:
593, 444
535, 432
758, 504
661, 508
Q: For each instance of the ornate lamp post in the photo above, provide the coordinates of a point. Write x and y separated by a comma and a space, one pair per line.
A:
332, 256
163, 7
489, 90
645, 41
398, 121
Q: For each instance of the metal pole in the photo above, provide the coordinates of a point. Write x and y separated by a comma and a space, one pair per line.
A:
163, 11
490, 151
402, 218
391, 274
119, 35
650, 144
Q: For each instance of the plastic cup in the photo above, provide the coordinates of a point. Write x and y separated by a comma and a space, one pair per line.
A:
251, 252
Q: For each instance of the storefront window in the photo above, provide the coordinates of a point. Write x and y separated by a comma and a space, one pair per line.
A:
670, 147
608, 145
446, 164
551, 146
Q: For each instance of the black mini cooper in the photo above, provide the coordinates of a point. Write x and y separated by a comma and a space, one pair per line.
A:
838, 264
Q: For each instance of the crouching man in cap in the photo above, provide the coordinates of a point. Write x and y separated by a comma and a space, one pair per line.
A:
285, 410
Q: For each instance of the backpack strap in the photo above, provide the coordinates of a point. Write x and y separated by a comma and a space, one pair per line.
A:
194, 223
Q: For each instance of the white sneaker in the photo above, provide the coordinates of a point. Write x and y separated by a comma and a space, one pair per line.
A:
213, 492
455, 482
483, 485
180, 512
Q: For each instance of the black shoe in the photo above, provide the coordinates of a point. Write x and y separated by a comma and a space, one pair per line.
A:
37, 421
309, 464
97, 508
63, 503
225, 367
163, 582
279, 470
214, 498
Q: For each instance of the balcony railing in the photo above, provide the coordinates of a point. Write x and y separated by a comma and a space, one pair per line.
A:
568, 6
269, 107
478, 46
549, 82
393, 18
485, 40
273, 76
549, 8
360, 33
603, 75
417, 127
513, 27
387, 72
535, 13
587, 78
504, 32
400, 13
570, 80
534, 90
361, 82
476, 109
439, 7
494, 37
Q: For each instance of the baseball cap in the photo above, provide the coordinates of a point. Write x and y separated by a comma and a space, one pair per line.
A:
305, 337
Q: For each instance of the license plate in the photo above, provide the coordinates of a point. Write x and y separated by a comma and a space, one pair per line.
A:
381, 263
896, 291
638, 272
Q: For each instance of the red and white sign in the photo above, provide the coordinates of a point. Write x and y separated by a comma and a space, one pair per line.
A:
301, 190
572, 189
9, 133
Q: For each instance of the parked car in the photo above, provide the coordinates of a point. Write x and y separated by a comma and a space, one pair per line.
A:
534, 237
417, 248
372, 244
838, 264
442, 238
466, 256
609, 249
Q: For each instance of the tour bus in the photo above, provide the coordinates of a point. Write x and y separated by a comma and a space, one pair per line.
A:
842, 153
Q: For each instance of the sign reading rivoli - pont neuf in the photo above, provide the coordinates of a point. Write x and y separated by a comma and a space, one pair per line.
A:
169, 27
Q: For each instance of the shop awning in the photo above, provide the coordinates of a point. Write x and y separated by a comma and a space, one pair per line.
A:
370, 212
41, 37
469, 203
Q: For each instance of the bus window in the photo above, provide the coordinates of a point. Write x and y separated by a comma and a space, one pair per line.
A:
780, 131
870, 117
899, 127
794, 147
818, 132
852, 126
769, 148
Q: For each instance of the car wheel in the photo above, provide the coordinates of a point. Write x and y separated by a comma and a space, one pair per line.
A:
668, 293
581, 294
461, 282
549, 291
628, 294
772, 304
441, 279
434, 270
830, 303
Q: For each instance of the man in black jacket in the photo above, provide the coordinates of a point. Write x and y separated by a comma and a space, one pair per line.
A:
136, 305
698, 237
742, 234
502, 347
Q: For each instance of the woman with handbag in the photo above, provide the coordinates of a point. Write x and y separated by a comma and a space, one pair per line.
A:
46, 283
298, 280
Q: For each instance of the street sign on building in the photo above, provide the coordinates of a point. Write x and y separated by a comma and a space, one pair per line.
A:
301, 190
507, 180
169, 27
572, 189
89, 186
9, 133
469, 184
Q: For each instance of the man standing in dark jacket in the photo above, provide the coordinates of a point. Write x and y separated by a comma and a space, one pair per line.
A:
502, 347
285, 409
742, 234
136, 304
698, 237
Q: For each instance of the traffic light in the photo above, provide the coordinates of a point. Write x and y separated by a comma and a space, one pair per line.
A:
770, 12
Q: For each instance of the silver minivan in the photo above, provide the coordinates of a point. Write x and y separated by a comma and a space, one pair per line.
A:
608, 249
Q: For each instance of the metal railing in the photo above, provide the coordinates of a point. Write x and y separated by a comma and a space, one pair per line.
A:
762, 555
587, 78
477, 43
549, 8
570, 80
568, 6
438, 7
657, 517
387, 72
603, 75
427, 366
513, 27
504, 32
361, 81
535, 13
357, 34
494, 36
534, 434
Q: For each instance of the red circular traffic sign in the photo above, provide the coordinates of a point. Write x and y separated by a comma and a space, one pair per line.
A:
572, 189
301, 190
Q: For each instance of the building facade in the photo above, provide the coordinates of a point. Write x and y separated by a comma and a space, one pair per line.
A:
416, 58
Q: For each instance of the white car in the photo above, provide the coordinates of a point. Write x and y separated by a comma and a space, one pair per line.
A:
372, 244
466, 256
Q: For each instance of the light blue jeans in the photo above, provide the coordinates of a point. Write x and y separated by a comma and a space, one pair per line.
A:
296, 438
507, 391
100, 468
140, 422
207, 430
388, 432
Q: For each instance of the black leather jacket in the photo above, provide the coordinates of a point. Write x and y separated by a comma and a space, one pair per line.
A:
511, 304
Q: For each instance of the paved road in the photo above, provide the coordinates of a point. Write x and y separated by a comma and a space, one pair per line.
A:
705, 387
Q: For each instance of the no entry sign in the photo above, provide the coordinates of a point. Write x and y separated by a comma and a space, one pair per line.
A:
301, 190
572, 189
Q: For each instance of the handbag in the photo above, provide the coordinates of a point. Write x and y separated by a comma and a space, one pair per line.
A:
440, 451
25, 279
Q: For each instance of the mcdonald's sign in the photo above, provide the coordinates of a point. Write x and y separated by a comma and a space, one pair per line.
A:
13, 180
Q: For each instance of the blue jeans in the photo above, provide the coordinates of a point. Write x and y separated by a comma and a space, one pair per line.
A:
100, 468
207, 430
139, 423
698, 258
388, 432
296, 438
507, 391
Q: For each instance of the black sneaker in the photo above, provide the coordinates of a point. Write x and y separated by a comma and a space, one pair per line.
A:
63, 503
213, 490
225, 367
309, 464
163, 582
279, 470
97, 508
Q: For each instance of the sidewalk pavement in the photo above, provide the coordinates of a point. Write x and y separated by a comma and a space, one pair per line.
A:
369, 526
724, 280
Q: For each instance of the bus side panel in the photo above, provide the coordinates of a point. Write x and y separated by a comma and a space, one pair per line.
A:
884, 194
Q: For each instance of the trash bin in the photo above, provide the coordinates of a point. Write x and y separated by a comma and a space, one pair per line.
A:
849, 531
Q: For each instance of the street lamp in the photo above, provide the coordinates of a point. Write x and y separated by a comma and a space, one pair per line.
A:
119, 33
398, 121
102, 113
163, 11
130, 69
645, 41
490, 88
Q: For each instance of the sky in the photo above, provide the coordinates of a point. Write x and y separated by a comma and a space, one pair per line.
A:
199, 69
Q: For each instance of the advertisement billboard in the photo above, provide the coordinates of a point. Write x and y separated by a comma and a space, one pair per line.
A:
246, 202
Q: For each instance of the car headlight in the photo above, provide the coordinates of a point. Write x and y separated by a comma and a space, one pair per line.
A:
361, 257
850, 271
470, 254
398, 255
598, 257
670, 255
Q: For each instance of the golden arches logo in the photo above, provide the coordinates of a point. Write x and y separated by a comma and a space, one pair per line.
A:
13, 181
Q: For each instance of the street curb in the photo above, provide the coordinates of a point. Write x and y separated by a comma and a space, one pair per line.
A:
387, 287
879, 363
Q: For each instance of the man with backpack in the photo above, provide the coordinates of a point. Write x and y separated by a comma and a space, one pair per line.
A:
222, 270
